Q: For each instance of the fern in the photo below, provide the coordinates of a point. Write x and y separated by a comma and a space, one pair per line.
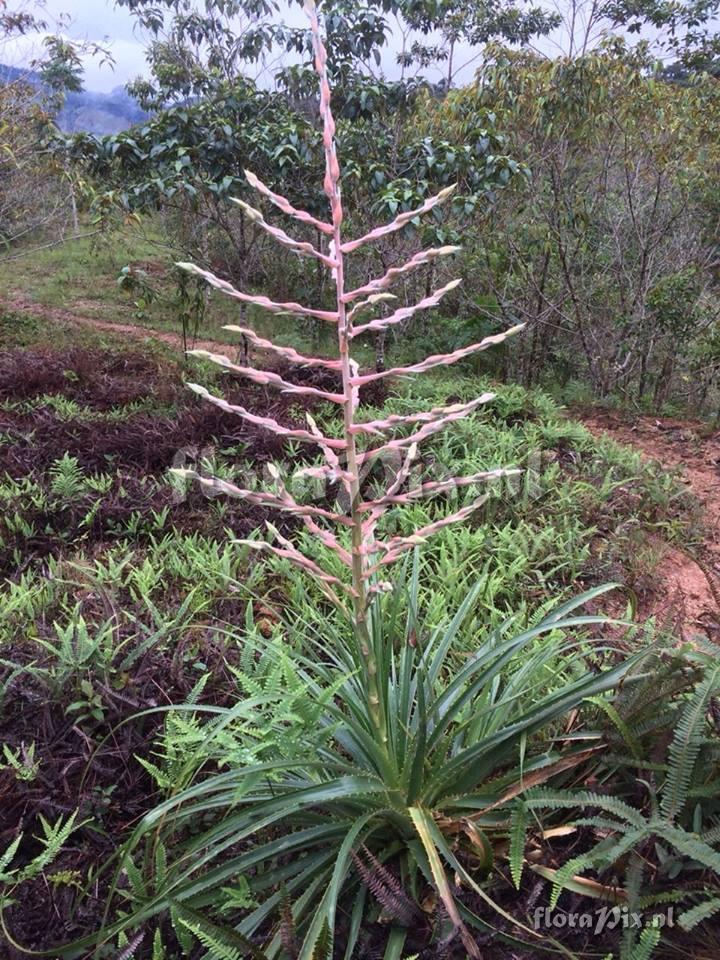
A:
222, 943
158, 949
184, 936
288, 933
386, 888
217, 950
518, 829
602, 855
697, 914
690, 845
545, 797
130, 947
685, 747
66, 477
53, 840
137, 884
633, 884
643, 949
6, 859
711, 835
617, 721
324, 944
160, 873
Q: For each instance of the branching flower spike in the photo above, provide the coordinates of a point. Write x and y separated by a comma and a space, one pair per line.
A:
366, 558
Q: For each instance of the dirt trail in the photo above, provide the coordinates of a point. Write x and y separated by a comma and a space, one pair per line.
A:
21, 304
686, 583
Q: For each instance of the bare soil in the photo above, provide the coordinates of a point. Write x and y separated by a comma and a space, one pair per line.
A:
685, 593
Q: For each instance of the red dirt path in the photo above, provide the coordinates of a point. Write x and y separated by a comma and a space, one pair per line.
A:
21, 304
686, 587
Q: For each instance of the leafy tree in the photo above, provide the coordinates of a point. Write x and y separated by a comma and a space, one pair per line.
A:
188, 159
682, 29
622, 166
193, 49
36, 191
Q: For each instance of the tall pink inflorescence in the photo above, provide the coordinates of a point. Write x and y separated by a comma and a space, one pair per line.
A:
366, 557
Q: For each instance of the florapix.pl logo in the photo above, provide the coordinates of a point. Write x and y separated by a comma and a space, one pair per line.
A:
604, 918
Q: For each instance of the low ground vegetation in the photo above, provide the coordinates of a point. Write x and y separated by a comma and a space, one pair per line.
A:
123, 596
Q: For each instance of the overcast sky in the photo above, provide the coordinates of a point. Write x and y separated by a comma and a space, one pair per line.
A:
101, 21
92, 20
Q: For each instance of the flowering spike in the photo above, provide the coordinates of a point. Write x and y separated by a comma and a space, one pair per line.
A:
267, 422
430, 428
433, 488
428, 416
370, 302
298, 559
283, 204
257, 300
400, 221
365, 556
302, 248
439, 359
287, 353
419, 260
369, 523
262, 498
404, 313
266, 377
395, 548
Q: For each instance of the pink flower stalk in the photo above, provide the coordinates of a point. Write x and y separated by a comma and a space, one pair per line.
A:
366, 556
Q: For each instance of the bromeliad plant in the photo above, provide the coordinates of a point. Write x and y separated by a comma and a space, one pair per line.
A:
407, 748
366, 558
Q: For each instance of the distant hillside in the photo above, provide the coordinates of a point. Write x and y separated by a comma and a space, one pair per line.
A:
99, 113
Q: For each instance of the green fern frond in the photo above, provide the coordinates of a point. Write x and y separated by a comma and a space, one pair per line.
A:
518, 828
158, 948
217, 950
685, 747
617, 721
691, 845
712, 835
602, 855
633, 883
710, 790
184, 937
616, 760
555, 799
7, 857
222, 943
654, 899
55, 837
196, 692
137, 884
697, 914
324, 943
160, 864
643, 949
66, 477
571, 868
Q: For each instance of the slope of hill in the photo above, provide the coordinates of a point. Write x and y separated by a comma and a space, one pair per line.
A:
99, 113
